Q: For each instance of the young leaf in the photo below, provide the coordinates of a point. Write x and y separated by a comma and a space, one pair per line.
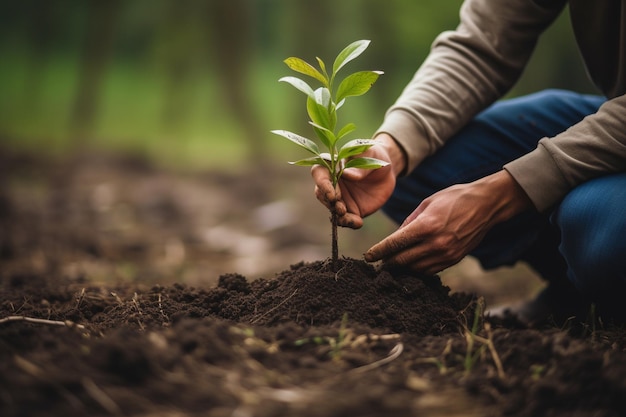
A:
366, 163
349, 53
326, 136
299, 84
323, 68
355, 147
345, 130
307, 162
357, 84
301, 141
319, 113
305, 68
322, 96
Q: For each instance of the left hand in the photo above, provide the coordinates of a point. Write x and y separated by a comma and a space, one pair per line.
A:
449, 224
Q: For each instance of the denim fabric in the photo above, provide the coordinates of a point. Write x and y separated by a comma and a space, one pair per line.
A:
592, 221
585, 239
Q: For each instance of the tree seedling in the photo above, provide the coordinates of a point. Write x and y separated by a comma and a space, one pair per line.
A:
322, 105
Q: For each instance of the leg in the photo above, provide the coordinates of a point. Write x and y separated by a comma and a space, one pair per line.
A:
505, 131
592, 223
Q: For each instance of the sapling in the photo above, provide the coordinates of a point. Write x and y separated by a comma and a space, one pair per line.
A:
322, 105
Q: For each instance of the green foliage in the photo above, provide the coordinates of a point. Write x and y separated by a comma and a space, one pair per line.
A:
322, 105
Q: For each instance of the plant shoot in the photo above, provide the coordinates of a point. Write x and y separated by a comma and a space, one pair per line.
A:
322, 105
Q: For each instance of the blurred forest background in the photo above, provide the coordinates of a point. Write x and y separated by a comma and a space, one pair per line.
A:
193, 83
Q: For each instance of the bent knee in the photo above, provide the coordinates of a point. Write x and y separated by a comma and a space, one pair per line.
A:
592, 227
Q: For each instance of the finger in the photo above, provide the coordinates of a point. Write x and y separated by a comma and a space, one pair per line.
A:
419, 255
350, 220
431, 269
392, 245
424, 258
322, 180
338, 205
356, 174
322, 196
432, 266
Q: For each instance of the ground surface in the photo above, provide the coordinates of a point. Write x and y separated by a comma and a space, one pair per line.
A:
127, 290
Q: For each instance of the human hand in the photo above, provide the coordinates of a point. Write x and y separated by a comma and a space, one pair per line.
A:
449, 224
360, 192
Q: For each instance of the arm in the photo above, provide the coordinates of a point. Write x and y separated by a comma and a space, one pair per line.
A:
593, 147
467, 70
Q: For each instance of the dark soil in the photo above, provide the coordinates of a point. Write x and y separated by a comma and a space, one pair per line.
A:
364, 341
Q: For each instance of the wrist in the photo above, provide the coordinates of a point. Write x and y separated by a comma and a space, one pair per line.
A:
397, 155
510, 198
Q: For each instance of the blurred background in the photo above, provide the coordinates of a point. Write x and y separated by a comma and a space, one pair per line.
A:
190, 86
195, 81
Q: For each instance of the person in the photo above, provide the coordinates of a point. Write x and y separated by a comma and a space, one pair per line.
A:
539, 178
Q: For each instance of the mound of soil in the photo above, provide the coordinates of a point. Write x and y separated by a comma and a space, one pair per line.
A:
313, 295
307, 342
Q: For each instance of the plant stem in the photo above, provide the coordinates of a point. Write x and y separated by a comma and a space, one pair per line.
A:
335, 247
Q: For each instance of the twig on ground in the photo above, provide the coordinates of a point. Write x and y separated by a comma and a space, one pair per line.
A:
136, 304
439, 362
80, 298
100, 396
492, 349
40, 374
117, 298
257, 319
66, 323
165, 317
393, 354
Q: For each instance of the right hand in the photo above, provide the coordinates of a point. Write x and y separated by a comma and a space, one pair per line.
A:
361, 192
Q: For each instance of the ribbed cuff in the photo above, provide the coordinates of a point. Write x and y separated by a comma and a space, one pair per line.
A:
538, 175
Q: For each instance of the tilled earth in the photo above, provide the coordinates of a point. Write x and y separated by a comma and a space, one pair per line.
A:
116, 306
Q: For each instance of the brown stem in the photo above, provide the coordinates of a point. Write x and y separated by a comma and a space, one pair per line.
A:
335, 247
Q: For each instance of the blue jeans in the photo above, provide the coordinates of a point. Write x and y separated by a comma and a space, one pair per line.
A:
581, 240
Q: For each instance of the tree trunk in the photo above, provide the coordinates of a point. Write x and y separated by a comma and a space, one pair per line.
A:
96, 52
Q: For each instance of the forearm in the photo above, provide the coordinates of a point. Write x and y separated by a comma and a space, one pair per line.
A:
593, 147
467, 70
504, 195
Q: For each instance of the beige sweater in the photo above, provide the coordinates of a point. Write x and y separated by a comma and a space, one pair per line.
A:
471, 67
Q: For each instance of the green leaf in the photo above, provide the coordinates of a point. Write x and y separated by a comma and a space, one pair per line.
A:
307, 162
305, 68
345, 130
357, 84
317, 113
318, 108
323, 68
301, 141
299, 84
355, 147
366, 163
349, 53
322, 96
326, 136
